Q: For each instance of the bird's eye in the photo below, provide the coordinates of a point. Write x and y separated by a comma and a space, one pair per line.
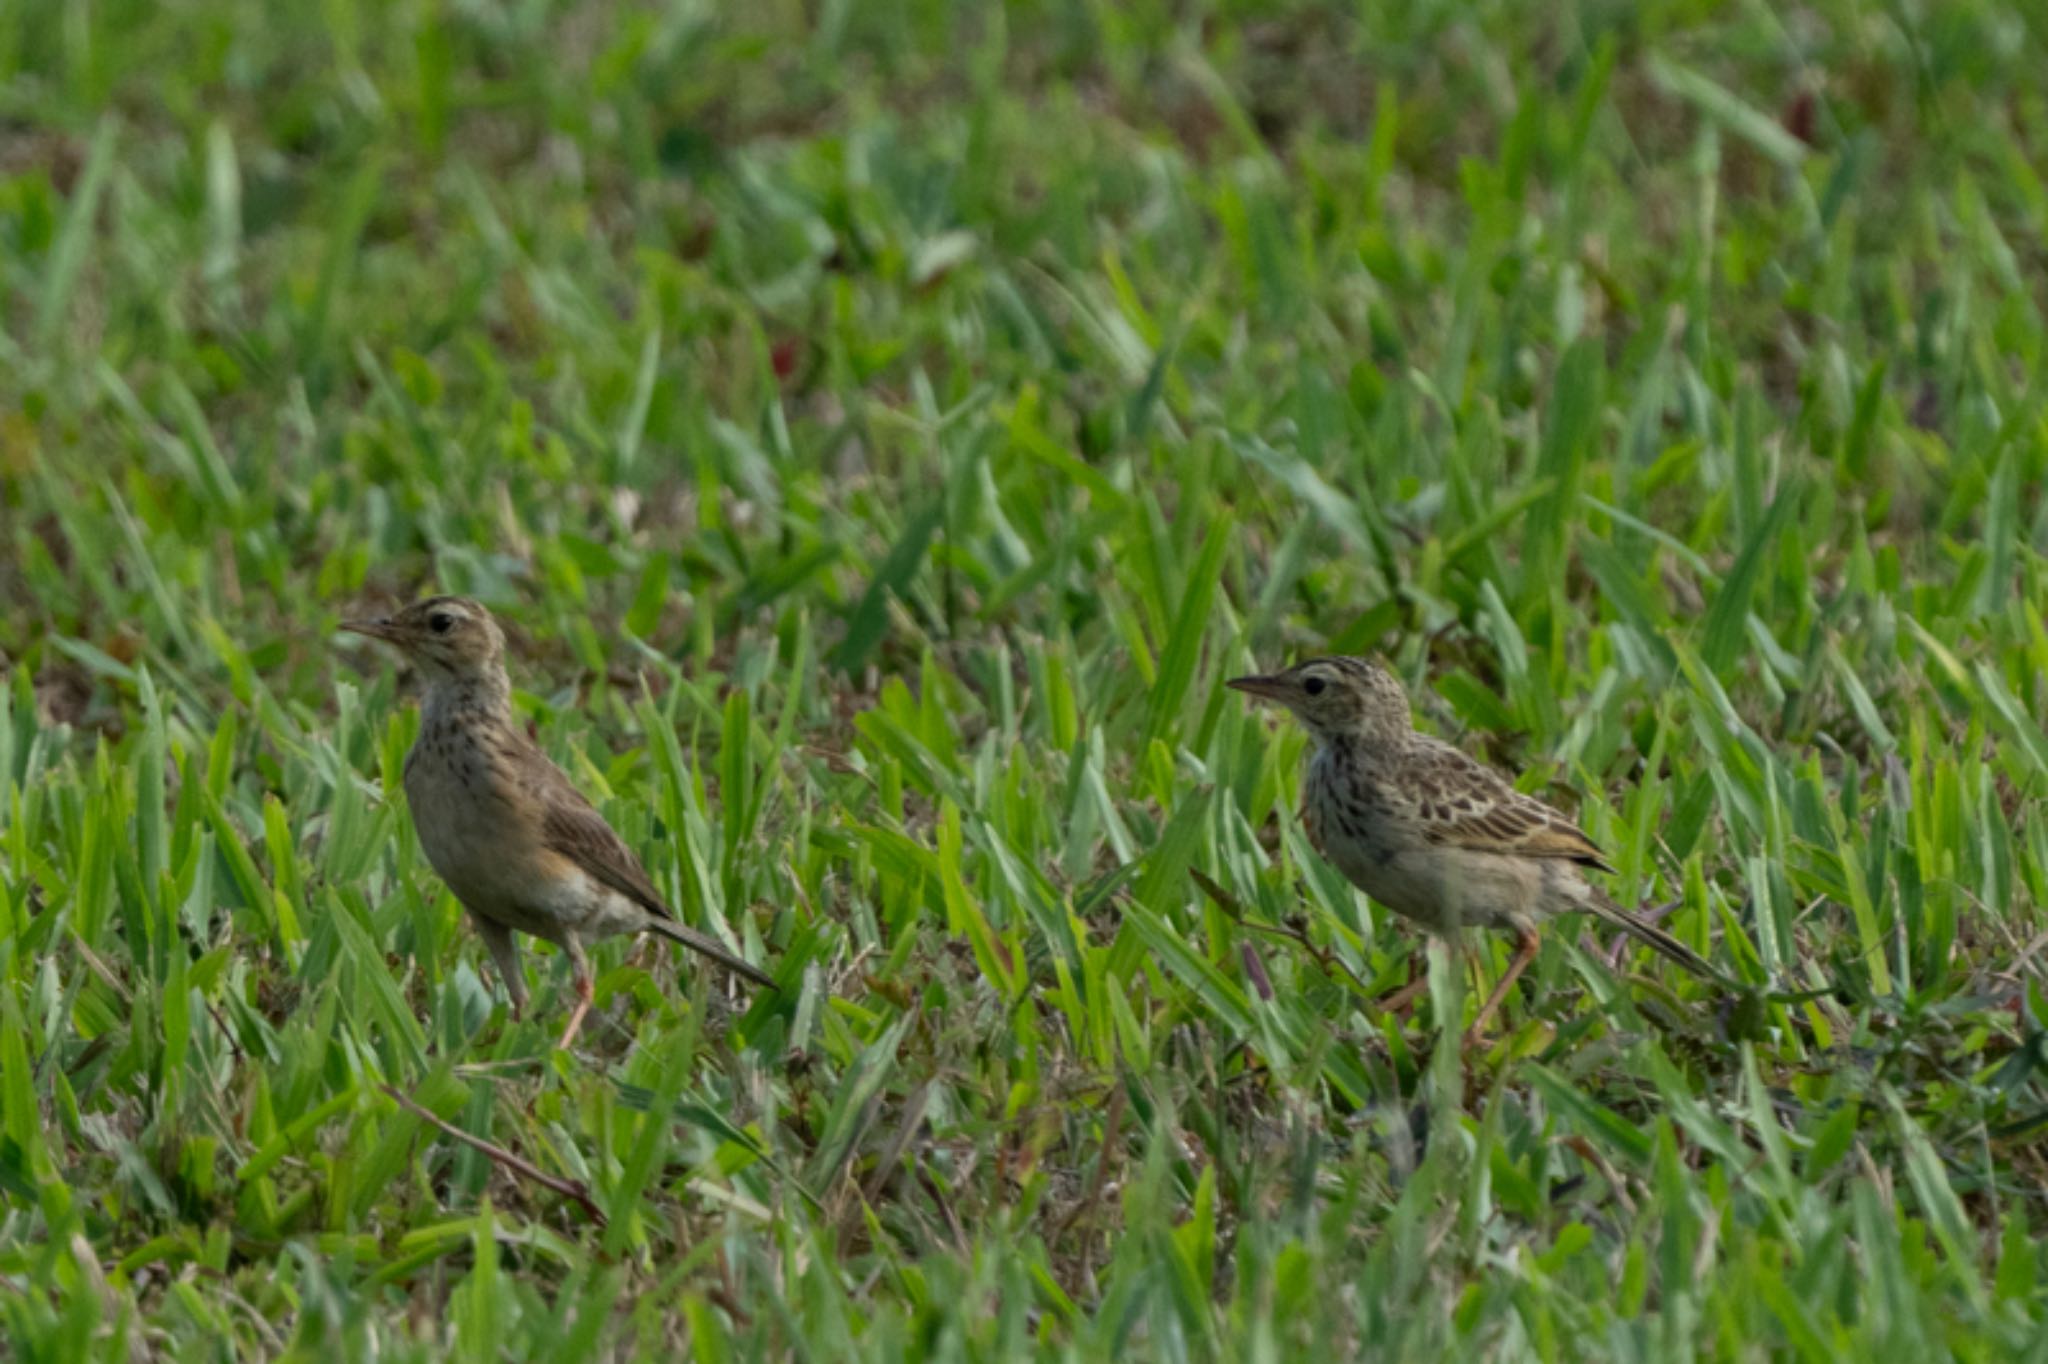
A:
1314, 686
439, 622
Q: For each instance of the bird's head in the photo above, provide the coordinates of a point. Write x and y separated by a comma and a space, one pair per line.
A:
1337, 697
447, 638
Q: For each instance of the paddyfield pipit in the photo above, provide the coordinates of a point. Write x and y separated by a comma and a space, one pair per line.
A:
1430, 833
517, 843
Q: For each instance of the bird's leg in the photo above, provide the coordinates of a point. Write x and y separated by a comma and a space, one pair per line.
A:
1525, 952
586, 991
504, 951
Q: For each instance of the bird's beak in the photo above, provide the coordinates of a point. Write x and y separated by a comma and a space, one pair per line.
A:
1270, 688
377, 628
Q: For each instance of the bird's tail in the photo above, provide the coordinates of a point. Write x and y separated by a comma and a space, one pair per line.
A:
710, 947
1642, 929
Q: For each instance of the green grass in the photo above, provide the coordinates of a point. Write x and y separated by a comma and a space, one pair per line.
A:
882, 428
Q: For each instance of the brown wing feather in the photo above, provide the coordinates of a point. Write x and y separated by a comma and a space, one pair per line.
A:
572, 827
1459, 802
580, 834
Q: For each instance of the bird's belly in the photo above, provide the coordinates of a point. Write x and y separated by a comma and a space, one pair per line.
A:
483, 841
1441, 889
475, 843
1406, 885
569, 901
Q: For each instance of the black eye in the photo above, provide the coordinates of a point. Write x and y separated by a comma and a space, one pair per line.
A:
1314, 686
439, 622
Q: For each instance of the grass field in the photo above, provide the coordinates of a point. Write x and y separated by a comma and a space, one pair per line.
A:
882, 428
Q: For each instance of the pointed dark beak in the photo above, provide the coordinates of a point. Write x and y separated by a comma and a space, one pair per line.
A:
1270, 688
378, 627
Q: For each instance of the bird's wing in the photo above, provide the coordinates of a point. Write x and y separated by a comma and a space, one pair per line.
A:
579, 833
573, 828
1454, 801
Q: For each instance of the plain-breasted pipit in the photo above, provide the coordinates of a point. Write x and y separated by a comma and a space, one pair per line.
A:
517, 843
1430, 833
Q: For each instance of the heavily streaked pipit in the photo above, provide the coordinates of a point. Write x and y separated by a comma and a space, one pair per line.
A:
1430, 833
517, 843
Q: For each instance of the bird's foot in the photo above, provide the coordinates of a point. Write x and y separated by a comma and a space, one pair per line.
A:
575, 1026
586, 992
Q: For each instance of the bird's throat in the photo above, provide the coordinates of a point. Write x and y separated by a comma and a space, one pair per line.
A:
481, 696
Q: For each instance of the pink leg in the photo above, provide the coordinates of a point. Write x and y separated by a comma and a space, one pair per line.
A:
586, 991
1525, 952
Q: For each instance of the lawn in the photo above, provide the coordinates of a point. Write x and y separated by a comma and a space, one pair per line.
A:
882, 428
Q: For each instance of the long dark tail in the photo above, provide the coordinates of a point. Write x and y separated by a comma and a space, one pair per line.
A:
710, 947
1645, 931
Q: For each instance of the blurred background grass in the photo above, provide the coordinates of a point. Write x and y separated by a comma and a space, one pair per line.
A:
881, 428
